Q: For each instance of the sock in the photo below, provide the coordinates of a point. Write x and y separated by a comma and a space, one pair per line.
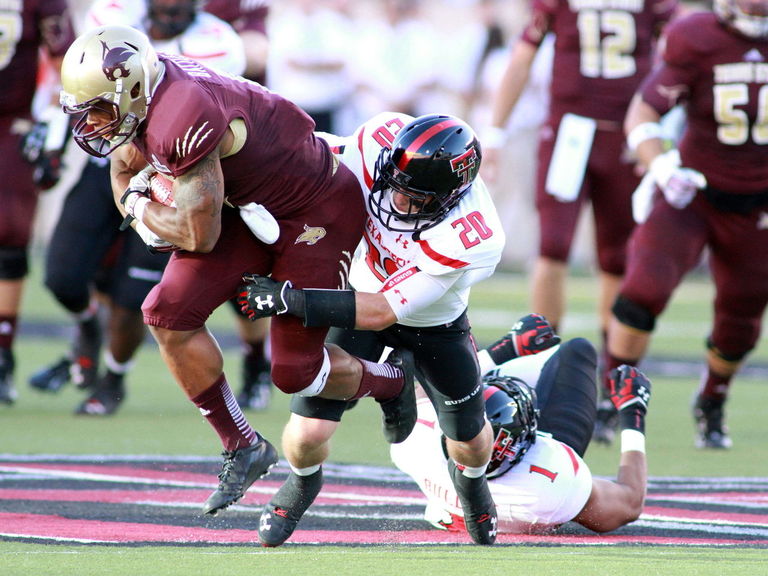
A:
7, 330
715, 386
218, 405
121, 368
380, 381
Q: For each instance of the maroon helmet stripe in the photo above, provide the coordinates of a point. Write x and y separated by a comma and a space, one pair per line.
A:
416, 144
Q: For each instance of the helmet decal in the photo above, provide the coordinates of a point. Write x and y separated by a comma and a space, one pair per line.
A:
465, 165
116, 61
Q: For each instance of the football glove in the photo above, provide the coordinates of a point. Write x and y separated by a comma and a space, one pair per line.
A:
47, 163
530, 335
678, 184
262, 297
136, 196
627, 386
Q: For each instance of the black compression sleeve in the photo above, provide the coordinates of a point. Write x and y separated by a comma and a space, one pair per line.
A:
329, 308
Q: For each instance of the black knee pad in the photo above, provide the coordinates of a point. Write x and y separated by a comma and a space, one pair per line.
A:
633, 315
14, 263
568, 397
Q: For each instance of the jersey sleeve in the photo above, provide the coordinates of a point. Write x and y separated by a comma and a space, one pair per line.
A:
669, 83
470, 238
184, 129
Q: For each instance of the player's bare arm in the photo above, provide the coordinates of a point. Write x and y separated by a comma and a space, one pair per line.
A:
614, 504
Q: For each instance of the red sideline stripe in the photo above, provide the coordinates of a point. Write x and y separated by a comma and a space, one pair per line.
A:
31, 526
717, 516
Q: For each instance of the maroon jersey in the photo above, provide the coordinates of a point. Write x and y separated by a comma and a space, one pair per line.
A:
721, 77
603, 49
281, 164
28, 25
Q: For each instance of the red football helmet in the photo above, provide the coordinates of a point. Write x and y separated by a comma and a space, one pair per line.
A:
748, 17
433, 161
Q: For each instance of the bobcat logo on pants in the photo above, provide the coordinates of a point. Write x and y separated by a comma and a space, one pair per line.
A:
311, 235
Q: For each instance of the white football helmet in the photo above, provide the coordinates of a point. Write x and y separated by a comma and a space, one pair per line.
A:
115, 70
748, 17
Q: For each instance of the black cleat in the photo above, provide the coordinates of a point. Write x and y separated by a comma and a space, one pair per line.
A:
8, 393
241, 468
399, 413
710, 424
606, 423
281, 516
257, 385
106, 398
51, 378
478, 506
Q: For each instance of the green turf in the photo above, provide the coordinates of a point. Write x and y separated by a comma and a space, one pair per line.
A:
156, 419
55, 560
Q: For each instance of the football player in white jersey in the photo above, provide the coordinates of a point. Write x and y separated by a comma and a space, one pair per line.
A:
432, 232
542, 408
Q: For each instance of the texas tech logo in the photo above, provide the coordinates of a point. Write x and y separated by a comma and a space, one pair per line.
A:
466, 165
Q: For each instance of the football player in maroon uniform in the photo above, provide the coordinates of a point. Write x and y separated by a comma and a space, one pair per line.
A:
711, 195
28, 27
602, 50
255, 191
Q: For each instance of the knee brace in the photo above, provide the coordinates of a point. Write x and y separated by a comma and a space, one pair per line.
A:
633, 315
14, 263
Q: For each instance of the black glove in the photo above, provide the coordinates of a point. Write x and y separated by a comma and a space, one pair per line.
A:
262, 297
627, 386
47, 163
530, 335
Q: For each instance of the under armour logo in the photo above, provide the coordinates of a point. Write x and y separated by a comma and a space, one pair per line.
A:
264, 303
264, 522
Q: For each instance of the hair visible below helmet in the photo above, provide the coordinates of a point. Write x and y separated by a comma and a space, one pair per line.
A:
113, 69
433, 161
749, 19
510, 405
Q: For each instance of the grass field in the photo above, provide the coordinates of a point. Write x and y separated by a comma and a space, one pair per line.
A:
156, 419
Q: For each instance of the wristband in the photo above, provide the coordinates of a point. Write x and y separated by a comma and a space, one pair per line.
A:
493, 137
632, 441
643, 132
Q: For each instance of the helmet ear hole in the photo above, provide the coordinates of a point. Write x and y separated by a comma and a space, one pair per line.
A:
136, 90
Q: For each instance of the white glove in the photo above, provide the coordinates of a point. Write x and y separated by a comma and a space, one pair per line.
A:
261, 222
152, 240
136, 196
678, 184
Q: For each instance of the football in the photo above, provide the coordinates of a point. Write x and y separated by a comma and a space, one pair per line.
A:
161, 189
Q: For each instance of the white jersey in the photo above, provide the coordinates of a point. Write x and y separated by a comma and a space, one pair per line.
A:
462, 249
548, 487
208, 40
